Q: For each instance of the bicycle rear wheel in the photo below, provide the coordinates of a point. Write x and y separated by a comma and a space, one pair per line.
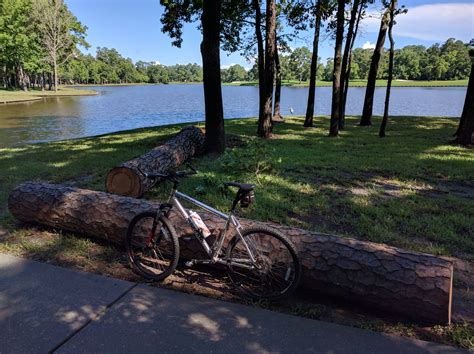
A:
152, 246
277, 270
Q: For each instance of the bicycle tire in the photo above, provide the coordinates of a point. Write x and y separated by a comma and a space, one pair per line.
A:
136, 240
282, 250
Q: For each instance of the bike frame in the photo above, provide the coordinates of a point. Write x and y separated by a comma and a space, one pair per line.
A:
214, 251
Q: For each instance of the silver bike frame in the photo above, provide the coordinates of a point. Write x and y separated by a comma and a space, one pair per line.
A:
214, 251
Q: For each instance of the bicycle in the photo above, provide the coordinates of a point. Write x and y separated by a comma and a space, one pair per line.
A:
261, 262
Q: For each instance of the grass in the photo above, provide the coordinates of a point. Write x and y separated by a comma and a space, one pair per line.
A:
10, 96
411, 189
363, 83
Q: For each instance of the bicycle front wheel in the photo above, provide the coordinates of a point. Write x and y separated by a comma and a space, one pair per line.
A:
276, 272
152, 246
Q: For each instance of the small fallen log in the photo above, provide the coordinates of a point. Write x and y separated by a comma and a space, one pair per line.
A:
412, 284
127, 179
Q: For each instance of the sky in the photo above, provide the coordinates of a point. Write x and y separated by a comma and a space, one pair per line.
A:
133, 28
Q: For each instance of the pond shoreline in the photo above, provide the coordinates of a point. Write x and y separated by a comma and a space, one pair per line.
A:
8, 96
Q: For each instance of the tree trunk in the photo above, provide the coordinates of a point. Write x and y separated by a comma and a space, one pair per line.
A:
211, 67
411, 284
22, 78
346, 84
55, 73
127, 179
393, 6
277, 117
466, 123
308, 122
336, 84
260, 59
265, 124
345, 59
374, 68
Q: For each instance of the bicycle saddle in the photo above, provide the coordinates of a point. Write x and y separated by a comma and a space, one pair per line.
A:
243, 186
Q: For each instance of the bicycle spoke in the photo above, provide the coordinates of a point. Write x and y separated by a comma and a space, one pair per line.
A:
274, 267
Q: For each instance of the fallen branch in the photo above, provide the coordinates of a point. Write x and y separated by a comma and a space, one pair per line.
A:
127, 179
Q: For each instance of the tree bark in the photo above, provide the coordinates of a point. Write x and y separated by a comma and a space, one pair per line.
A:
374, 68
349, 64
55, 73
265, 124
412, 284
277, 117
466, 123
211, 66
336, 83
393, 5
345, 59
260, 58
308, 122
127, 179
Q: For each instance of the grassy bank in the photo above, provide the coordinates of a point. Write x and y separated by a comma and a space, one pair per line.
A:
11, 96
410, 189
363, 83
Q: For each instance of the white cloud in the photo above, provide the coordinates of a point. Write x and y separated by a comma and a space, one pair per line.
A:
431, 22
227, 66
368, 45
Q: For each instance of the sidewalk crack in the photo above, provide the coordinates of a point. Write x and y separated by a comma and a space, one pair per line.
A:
96, 317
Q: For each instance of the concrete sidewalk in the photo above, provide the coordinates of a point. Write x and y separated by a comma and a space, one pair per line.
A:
46, 308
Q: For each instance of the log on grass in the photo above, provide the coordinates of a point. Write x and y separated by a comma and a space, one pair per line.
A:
127, 180
411, 284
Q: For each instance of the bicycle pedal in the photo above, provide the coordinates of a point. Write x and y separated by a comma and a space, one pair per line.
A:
189, 264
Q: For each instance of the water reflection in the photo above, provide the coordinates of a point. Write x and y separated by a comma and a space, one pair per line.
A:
128, 107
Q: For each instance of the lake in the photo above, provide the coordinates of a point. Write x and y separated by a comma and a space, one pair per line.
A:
127, 107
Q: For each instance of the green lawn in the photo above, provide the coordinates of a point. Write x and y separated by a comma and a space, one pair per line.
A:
410, 189
8, 96
363, 83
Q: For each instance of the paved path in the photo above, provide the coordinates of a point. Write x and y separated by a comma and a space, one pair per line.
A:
45, 308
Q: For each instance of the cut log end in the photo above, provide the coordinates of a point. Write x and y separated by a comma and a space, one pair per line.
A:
128, 180
123, 181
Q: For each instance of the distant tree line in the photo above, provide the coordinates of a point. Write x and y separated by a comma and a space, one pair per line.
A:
37, 37
109, 67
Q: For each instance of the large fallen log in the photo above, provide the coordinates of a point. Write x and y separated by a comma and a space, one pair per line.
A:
127, 179
411, 284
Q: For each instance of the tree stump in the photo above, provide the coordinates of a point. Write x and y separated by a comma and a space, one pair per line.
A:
127, 180
412, 284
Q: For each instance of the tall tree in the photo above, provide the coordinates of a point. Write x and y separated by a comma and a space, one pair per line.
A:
59, 32
260, 57
345, 58
218, 23
336, 85
265, 124
308, 122
392, 8
276, 107
366, 118
349, 63
466, 123
211, 65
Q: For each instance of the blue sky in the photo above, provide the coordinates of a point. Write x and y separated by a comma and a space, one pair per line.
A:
134, 29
